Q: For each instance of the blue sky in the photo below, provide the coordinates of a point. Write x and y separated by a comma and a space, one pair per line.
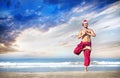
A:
38, 26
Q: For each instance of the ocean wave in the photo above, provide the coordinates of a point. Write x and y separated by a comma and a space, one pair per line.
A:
25, 65
104, 62
59, 64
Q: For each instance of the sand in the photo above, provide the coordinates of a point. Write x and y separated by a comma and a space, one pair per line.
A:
69, 74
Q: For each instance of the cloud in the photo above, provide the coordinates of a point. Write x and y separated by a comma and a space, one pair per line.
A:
17, 16
57, 37
4, 48
61, 38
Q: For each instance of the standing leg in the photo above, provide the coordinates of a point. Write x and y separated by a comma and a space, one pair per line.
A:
86, 59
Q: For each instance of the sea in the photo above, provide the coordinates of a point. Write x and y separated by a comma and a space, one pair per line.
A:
57, 64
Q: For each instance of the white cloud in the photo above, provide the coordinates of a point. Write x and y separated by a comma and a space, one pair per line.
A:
108, 19
112, 8
61, 40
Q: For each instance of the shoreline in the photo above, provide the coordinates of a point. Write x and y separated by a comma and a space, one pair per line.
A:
64, 74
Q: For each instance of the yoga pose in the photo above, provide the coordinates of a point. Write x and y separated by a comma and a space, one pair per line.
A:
85, 45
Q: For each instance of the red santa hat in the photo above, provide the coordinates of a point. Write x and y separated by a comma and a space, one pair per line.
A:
84, 21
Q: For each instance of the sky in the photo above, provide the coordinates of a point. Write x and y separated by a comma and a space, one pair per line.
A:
48, 28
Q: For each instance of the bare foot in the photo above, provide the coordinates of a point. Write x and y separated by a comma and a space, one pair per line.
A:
85, 69
87, 47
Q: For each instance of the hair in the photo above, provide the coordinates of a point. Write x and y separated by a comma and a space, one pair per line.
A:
84, 21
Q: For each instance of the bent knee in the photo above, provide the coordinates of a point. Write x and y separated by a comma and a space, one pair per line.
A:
87, 47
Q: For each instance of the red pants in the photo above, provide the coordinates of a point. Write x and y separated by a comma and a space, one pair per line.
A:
87, 52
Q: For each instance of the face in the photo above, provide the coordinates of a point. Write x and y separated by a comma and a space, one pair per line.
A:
85, 25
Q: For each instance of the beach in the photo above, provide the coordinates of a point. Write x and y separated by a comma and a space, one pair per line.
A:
64, 74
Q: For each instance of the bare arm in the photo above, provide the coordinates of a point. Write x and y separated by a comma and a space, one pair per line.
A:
92, 33
80, 34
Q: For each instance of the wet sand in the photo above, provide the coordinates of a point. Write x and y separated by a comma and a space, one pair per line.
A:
66, 74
